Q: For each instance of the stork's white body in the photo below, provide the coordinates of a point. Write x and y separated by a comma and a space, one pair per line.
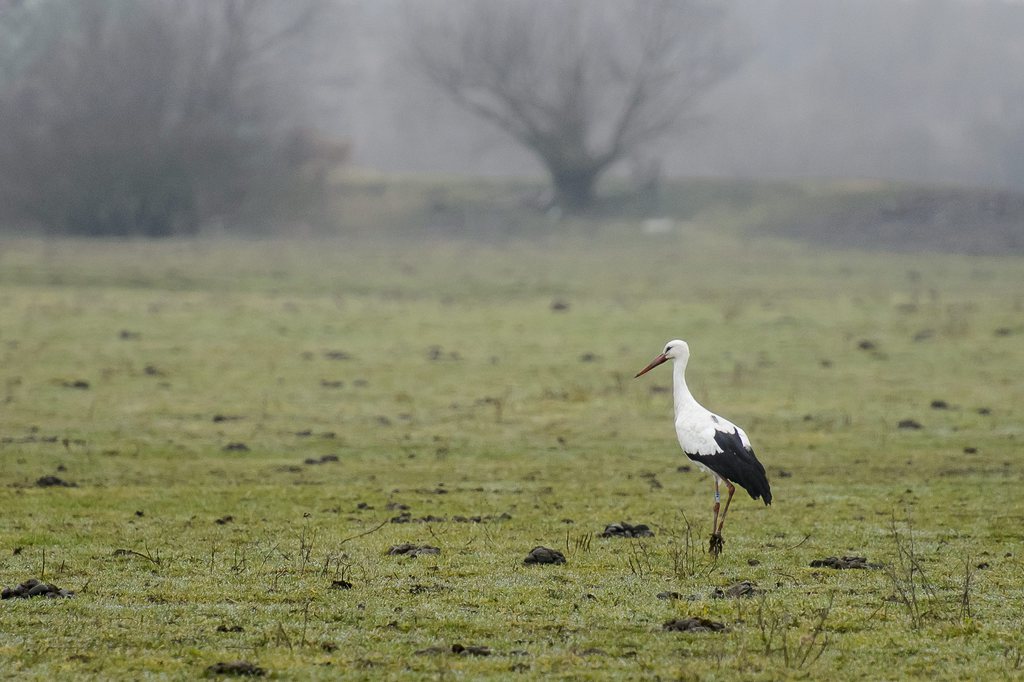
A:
697, 426
713, 442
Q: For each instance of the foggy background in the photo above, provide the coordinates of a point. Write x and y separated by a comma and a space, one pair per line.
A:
157, 118
920, 90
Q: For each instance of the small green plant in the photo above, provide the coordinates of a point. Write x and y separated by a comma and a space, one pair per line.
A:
966, 612
911, 586
639, 559
686, 557
781, 635
578, 543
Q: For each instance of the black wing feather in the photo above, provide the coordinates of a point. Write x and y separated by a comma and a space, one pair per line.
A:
737, 463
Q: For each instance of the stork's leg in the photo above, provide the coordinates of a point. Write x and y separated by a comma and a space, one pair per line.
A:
715, 546
732, 489
714, 522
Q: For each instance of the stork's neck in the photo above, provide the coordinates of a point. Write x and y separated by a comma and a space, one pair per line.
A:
684, 400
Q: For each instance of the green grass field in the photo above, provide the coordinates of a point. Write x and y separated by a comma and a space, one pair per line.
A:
443, 379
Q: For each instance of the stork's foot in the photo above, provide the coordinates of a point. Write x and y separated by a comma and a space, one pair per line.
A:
716, 544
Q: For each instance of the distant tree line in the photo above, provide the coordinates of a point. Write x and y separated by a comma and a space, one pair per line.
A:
123, 117
160, 117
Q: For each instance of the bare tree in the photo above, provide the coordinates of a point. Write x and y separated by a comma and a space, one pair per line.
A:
147, 117
580, 83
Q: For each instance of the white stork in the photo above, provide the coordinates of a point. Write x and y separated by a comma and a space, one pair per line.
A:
713, 442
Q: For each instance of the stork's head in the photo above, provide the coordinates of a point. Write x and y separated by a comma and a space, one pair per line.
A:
674, 350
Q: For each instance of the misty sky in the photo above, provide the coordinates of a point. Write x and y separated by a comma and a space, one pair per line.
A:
928, 90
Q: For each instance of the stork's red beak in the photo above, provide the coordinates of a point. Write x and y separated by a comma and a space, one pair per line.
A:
654, 363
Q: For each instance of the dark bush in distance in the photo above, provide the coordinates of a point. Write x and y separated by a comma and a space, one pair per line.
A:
144, 117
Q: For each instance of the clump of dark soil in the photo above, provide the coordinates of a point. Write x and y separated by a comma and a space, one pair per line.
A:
407, 517
457, 649
408, 549
436, 490
326, 459
404, 515
423, 589
939, 405
743, 588
669, 596
224, 520
627, 530
230, 628
437, 354
652, 480
54, 482
236, 669
471, 650
341, 585
559, 306
34, 588
337, 355
81, 384
236, 447
842, 563
909, 424
544, 555
692, 625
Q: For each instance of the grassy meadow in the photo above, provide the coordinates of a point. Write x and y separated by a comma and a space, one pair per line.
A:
240, 420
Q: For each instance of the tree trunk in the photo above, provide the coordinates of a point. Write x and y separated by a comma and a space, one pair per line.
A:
574, 187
